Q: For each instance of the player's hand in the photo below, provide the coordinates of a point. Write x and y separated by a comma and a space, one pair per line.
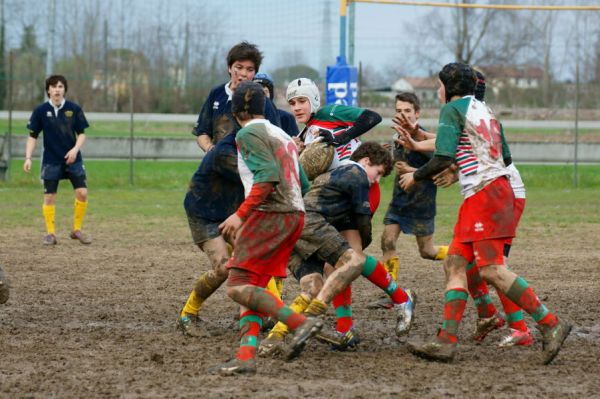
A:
387, 146
446, 177
407, 181
299, 143
402, 121
327, 137
27, 165
402, 168
230, 227
404, 139
71, 156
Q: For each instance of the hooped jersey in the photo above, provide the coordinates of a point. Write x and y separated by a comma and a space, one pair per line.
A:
336, 118
266, 154
470, 133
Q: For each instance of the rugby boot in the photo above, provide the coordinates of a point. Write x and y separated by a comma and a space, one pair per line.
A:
517, 338
348, 341
306, 331
271, 346
235, 366
405, 315
436, 349
487, 325
188, 325
4, 288
553, 338
49, 239
268, 324
81, 236
382, 303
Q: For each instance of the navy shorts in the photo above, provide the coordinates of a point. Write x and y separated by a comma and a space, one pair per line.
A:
203, 230
409, 224
52, 174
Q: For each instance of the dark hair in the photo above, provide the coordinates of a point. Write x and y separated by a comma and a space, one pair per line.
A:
458, 79
376, 154
53, 81
409, 97
248, 99
245, 51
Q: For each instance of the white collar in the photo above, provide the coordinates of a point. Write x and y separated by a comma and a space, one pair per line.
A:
62, 103
253, 121
228, 91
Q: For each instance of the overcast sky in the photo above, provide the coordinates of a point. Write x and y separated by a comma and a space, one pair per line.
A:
288, 32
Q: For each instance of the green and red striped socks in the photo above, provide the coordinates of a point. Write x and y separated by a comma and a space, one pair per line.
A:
479, 292
250, 325
524, 296
267, 303
455, 301
342, 304
375, 272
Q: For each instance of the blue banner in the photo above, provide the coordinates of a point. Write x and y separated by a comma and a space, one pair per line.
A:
341, 85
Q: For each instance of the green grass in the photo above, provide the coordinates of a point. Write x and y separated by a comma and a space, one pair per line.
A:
159, 188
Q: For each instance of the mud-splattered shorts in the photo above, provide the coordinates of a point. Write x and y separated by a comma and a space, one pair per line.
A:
264, 242
202, 229
319, 242
409, 224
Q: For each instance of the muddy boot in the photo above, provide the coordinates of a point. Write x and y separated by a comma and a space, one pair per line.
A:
235, 367
553, 338
487, 325
307, 330
188, 324
405, 314
339, 341
516, 338
436, 349
4, 288
271, 346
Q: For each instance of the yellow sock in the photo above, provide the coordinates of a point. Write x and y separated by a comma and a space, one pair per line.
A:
49, 212
272, 287
299, 304
192, 305
279, 284
392, 265
442, 252
78, 214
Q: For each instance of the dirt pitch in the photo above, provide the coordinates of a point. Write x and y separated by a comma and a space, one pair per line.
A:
98, 321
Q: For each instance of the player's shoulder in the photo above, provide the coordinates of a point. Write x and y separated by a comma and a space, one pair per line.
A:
70, 105
43, 107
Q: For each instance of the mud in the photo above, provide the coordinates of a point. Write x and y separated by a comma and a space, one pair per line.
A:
98, 321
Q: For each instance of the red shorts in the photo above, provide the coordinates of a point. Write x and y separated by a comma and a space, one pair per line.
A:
485, 252
519, 207
265, 241
374, 197
487, 215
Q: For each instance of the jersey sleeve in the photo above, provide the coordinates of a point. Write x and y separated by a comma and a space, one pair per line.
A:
345, 112
257, 155
271, 113
505, 149
81, 122
449, 129
35, 123
203, 125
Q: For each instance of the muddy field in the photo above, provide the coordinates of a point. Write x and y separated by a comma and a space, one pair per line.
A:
98, 321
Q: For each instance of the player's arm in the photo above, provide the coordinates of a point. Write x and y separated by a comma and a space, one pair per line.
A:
363, 225
226, 162
202, 128
71, 156
365, 122
29, 147
506, 155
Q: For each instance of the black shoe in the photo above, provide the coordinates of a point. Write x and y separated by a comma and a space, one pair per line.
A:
307, 330
4, 288
553, 338
235, 366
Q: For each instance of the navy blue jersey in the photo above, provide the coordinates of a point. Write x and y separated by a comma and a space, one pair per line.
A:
340, 193
216, 120
288, 123
60, 130
216, 190
419, 201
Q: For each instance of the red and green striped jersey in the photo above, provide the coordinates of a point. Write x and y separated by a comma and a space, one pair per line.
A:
470, 133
